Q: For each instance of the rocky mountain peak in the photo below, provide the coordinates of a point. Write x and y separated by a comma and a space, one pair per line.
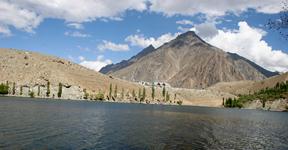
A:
189, 38
187, 62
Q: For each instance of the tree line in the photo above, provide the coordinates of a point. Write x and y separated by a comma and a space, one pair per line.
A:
279, 91
112, 95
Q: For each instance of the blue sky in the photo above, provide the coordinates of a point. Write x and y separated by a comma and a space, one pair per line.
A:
95, 37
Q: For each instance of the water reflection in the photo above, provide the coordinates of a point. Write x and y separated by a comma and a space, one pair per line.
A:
30, 124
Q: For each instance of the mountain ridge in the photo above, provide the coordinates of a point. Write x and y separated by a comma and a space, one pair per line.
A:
191, 63
125, 63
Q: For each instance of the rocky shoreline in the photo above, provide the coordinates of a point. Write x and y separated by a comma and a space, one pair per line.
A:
273, 106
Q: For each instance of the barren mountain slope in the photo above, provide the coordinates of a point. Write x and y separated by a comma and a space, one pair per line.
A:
30, 69
189, 62
244, 87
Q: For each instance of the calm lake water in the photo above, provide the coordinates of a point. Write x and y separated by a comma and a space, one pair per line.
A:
54, 124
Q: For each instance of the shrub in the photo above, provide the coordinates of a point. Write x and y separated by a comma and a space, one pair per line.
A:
179, 102
99, 96
31, 94
86, 95
4, 89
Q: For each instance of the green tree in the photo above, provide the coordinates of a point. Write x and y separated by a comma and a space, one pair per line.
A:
31, 94
86, 95
122, 93
59, 90
99, 96
21, 90
110, 91
115, 92
153, 91
139, 93
228, 102
133, 94
13, 89
163, 91
38, 92
4, 89
48, 89
167, 96
7, 85
143, 94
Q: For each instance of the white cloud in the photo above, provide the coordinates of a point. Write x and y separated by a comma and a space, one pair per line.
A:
248, 42
81, 58
96, 65
75, 26
27, 14
5, 31
76, 34
107, 45
183, 29
214, 8
140, 40
206, 30
13, 15
184, 22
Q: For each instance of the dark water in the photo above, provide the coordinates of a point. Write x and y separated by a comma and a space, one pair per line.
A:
52, 124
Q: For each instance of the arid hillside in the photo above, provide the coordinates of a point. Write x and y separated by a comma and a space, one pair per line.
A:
32, 71
246, 87
188, 62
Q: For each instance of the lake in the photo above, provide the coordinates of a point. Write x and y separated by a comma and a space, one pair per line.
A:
61, 124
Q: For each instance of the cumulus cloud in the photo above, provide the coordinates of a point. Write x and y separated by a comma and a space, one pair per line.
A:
205, 30
76, 34
13, 15
107, 45
96, 65
141, 41
27, 14
213, 8
248, 42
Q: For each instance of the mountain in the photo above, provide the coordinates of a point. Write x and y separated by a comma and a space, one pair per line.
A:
32, 71
246, 87
260, 69
125, 63
189, 62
